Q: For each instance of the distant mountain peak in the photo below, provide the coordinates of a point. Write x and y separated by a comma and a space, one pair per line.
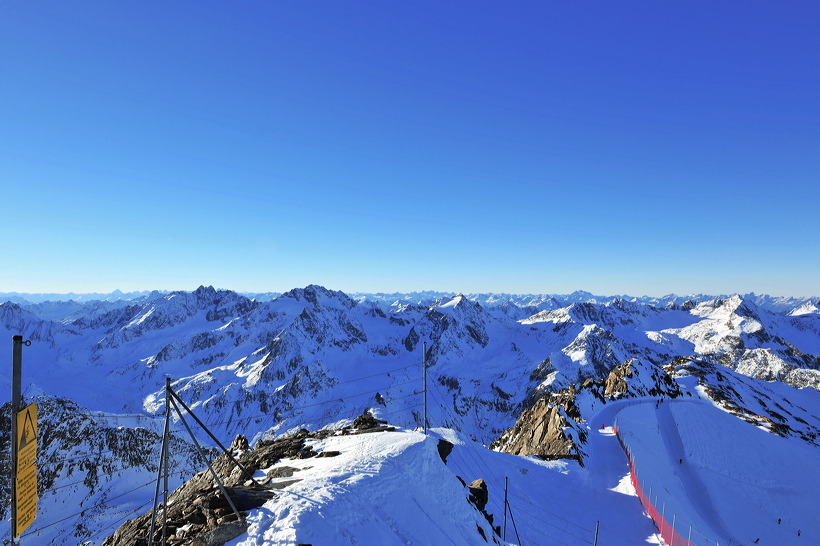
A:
321, 296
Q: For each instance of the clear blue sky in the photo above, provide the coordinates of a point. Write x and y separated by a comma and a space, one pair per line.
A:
616, 147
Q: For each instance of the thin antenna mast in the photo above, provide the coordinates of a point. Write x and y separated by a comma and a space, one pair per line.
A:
424, 366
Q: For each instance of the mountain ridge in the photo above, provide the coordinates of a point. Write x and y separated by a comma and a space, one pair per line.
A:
315, 358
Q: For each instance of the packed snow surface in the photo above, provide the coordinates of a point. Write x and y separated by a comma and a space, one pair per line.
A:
393, 488
734, 483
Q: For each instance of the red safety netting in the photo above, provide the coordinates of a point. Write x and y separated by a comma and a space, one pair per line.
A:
667, 531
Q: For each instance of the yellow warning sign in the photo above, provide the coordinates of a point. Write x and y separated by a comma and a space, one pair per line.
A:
25, 482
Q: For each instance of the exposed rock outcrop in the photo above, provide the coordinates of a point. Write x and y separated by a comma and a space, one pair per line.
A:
198, 512
541, 429
478, 495
553, 427
444, 449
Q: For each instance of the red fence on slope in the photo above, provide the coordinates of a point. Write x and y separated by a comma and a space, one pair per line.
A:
667, 530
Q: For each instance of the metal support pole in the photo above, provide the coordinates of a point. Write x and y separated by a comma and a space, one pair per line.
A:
162, 461
178, 400
515, 527
424, 366
674, 516
505, 507
16, 375
597, 525
165, 462
689, 539
206, 461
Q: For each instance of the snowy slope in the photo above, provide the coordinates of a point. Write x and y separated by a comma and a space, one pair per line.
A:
735, 481
383, 488
393, 488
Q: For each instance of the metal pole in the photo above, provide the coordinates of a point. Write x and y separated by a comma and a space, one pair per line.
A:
515, 527
165, 462
673, 529
164, 445
505, 507
178, 400
206, 461
597, 524
16, 374
689, 539
424, 366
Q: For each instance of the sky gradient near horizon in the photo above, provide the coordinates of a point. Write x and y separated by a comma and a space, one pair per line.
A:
633, 148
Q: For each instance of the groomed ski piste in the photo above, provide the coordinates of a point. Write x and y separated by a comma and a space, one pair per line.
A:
718, 479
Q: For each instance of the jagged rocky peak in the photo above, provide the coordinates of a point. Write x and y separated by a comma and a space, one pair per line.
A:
453, 301
735, 304
511, 310
459, 307
321, 296
12, 314
450, 322
808, 308
582, 295
457, 301
219, 303
627, 306
17, 320
169, 311
616, 381
204, 292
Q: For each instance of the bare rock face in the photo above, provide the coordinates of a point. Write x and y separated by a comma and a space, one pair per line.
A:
239, 443
444, 449
616, 380
540, 430
479, 494
367, 421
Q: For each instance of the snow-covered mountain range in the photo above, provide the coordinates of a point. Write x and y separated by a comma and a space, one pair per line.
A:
316, 358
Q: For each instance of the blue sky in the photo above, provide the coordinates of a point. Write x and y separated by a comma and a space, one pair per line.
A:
639, 148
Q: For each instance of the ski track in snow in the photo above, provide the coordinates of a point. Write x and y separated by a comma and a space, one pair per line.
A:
692, 483
737, 484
